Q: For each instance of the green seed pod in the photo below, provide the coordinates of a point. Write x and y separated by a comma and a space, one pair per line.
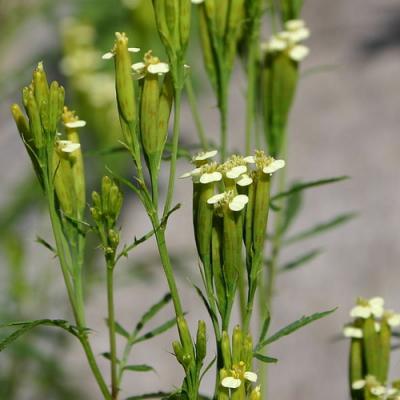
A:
34, 121
226, 351
249, 218
164, 110
123, 77
184, 22
54, 108
216, 262
78, 171
234, 27
384, 356
371, 347
356, 367
223, 392
208, 53
185, 336
221, 17
247, 351
178, 351
201, 342
261, 210
279, 83
64, 183
237, 339
172, 18
149, 115
162, 26
40, 85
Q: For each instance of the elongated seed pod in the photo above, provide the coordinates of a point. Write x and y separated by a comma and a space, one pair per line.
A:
201, 343
237, 339
356, 367
371, 347
384, 356
226, 350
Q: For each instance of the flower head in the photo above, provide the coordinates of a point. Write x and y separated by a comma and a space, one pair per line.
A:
350, 331
110, 54
238, 374
267, 164
234, 202
367, 308
151, 65
202, 157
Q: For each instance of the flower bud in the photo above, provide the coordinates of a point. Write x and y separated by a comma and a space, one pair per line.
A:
34, 120
113, 238
185, 336
247, 351
178, 351
226, 351
124, 83
237, 339
106, 184
255, 394
40, 85
201, 342
115, 200
56, 106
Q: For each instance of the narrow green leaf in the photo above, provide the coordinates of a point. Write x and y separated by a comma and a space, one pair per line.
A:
152, 311
119, 329
294, 326
46, 244
307, 185
139, 368
320, 228
208, 367
205, 301
107, 355
293, 206
265, 359
265, 326
26, 326
157, 331
155, 395
301, 260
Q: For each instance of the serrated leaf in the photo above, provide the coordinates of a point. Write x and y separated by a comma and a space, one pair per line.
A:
301, 260
152, 311
265, 359
26, 326
155, 395
320, 228
307, 185
139, 368
157, 331
294, 326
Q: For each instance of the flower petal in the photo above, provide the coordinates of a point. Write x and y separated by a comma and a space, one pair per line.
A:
294, 24
274, 166
191, 173
394, 320
75, 124
159, 68
249, 160
276, 44
357, 385
66, 146
352, 332
138, 67
235, 172
231, 382
360, 312
378, 390
108, 55
299, 52
216, 198
205, 155
209, 177
250, 376
238, 202
133, 49
244, 180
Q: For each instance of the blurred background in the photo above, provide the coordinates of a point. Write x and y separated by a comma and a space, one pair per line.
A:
345, 122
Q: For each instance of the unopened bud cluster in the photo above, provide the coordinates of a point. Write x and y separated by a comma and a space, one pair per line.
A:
237, 214
56, 158
236, 377
105, 212
370, 334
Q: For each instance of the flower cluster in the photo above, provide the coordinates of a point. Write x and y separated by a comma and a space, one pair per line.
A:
376, 389
289, 40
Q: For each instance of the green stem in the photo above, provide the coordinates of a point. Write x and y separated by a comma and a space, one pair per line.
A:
174, 154
111, 328
195, 113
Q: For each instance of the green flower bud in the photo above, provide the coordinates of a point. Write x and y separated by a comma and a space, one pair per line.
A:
113, 238
384, 334
247, 351
40, 85
178, 351
237, 338
356, 369
56, 105
124, 83
226, 351
96, 215
255, 394
279, 82
34, 120
371, 347
185, 336
106, 184
201, 342
96, 199
115, 200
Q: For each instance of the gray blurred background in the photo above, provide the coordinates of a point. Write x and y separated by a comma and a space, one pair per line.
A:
345, 122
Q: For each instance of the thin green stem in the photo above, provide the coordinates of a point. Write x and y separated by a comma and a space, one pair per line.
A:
174, 154
111, 328
195, 113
